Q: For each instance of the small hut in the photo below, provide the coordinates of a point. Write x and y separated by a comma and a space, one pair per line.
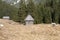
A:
29, 20
6, 17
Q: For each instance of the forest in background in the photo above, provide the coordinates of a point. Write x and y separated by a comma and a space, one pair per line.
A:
47, 11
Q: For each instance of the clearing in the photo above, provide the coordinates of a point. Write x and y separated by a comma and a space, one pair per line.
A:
15, 31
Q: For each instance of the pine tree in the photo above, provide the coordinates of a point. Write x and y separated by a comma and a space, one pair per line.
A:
32, 10
57, 13
44, 14
1, 9
52, 4
30, 6
22, 11
47, 15
39, 13
7, 10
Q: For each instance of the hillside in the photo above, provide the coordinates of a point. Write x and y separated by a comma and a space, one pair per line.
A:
15, 31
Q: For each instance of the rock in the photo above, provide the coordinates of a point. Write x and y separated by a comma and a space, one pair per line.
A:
53, 24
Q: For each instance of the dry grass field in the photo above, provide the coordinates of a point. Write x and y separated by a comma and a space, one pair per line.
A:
14, 31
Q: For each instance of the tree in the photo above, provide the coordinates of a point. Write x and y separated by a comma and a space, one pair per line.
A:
39, 17
53, 6
57, 11
1, 14
47, 13
44, 14
22, 11
7, 10
32, 10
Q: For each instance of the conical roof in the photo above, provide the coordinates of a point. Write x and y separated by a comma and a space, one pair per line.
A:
29, 17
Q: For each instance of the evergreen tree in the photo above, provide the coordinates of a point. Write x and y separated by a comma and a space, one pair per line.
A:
32, 10
1, 8
7, 10
46, 11
39, 13
57, 13
22, 11
53, 6
30, 6
47, 15
44, 14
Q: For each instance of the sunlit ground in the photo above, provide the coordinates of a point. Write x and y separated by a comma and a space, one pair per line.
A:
15, 31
